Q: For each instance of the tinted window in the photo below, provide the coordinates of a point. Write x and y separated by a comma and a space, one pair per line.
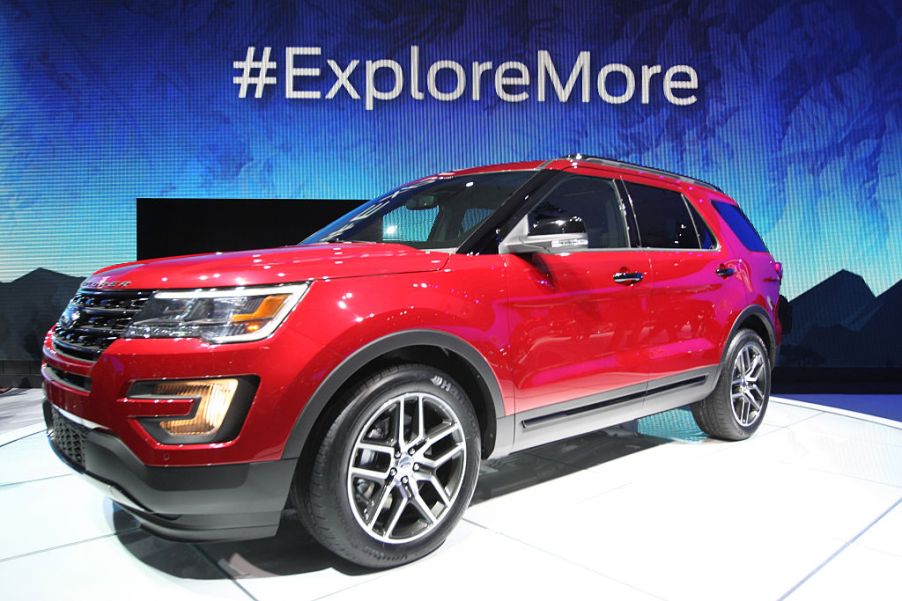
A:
413, 226
664, 220
705, 238
437, 213
591, 199
741, 226
473, 217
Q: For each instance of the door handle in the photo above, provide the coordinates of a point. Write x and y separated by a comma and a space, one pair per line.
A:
724, 271
628, 277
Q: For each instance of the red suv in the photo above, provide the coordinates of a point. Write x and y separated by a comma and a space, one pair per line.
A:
362, 375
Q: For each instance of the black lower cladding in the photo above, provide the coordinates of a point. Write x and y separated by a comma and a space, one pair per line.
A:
205, 503
67, 436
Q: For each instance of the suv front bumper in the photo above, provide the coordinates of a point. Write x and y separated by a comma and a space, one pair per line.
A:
197, 503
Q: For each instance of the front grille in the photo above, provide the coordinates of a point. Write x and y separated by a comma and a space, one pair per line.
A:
68, 437
94, 319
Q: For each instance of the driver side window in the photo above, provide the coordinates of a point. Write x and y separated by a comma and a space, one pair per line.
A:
592, 200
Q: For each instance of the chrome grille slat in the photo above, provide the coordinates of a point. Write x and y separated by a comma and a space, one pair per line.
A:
102, 317
103, 311
97, 331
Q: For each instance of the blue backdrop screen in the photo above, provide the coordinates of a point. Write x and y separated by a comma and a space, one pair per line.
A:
796, 111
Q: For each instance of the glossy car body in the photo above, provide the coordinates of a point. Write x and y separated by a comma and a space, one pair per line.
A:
546, 346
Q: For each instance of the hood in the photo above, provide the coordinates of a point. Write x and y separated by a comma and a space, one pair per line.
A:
269, 266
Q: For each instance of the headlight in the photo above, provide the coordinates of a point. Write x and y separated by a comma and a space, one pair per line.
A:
235, 315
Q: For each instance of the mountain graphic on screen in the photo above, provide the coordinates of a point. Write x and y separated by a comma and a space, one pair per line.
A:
29, 305
840, 323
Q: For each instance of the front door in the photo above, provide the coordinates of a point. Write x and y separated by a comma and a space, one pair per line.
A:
579, 321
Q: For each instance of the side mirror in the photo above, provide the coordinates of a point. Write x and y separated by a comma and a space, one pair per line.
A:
550, 244
549, 236
547, 227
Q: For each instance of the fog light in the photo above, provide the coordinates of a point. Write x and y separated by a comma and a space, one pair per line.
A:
213, 400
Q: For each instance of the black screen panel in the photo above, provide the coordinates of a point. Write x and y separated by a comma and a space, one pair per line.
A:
179, 226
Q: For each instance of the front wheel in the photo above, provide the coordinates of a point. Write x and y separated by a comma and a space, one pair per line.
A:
395, 470
736, 406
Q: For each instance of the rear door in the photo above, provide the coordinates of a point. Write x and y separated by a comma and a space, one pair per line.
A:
694, 289
579, 320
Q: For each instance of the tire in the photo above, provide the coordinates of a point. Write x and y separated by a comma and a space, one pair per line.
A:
735, 408
371, 505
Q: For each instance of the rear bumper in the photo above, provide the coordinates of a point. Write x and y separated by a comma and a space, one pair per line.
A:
201, 503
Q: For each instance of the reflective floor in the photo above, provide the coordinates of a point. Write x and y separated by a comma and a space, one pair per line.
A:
20, 410
809, 508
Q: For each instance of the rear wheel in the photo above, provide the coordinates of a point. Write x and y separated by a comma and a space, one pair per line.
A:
736, 406
395, 470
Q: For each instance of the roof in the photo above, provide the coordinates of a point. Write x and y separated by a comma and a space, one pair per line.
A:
585, 158
608, 162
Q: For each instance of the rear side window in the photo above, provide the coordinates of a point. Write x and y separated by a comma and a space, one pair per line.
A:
663, 218
706, 239
594, 201
741, 226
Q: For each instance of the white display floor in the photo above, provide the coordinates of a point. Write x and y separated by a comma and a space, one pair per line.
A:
809, 508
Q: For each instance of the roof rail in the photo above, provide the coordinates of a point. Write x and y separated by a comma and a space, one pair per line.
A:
653, 170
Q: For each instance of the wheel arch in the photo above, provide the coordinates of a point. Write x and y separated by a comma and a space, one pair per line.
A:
439, 349
754, 318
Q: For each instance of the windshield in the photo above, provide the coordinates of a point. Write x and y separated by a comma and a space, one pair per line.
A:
431, 214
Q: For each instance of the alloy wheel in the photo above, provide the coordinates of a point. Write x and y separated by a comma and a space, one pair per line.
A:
406, 468
749, 383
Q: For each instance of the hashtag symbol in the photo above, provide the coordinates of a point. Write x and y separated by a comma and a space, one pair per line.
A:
247, 66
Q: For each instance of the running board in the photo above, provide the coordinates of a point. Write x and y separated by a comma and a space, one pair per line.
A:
579, 416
